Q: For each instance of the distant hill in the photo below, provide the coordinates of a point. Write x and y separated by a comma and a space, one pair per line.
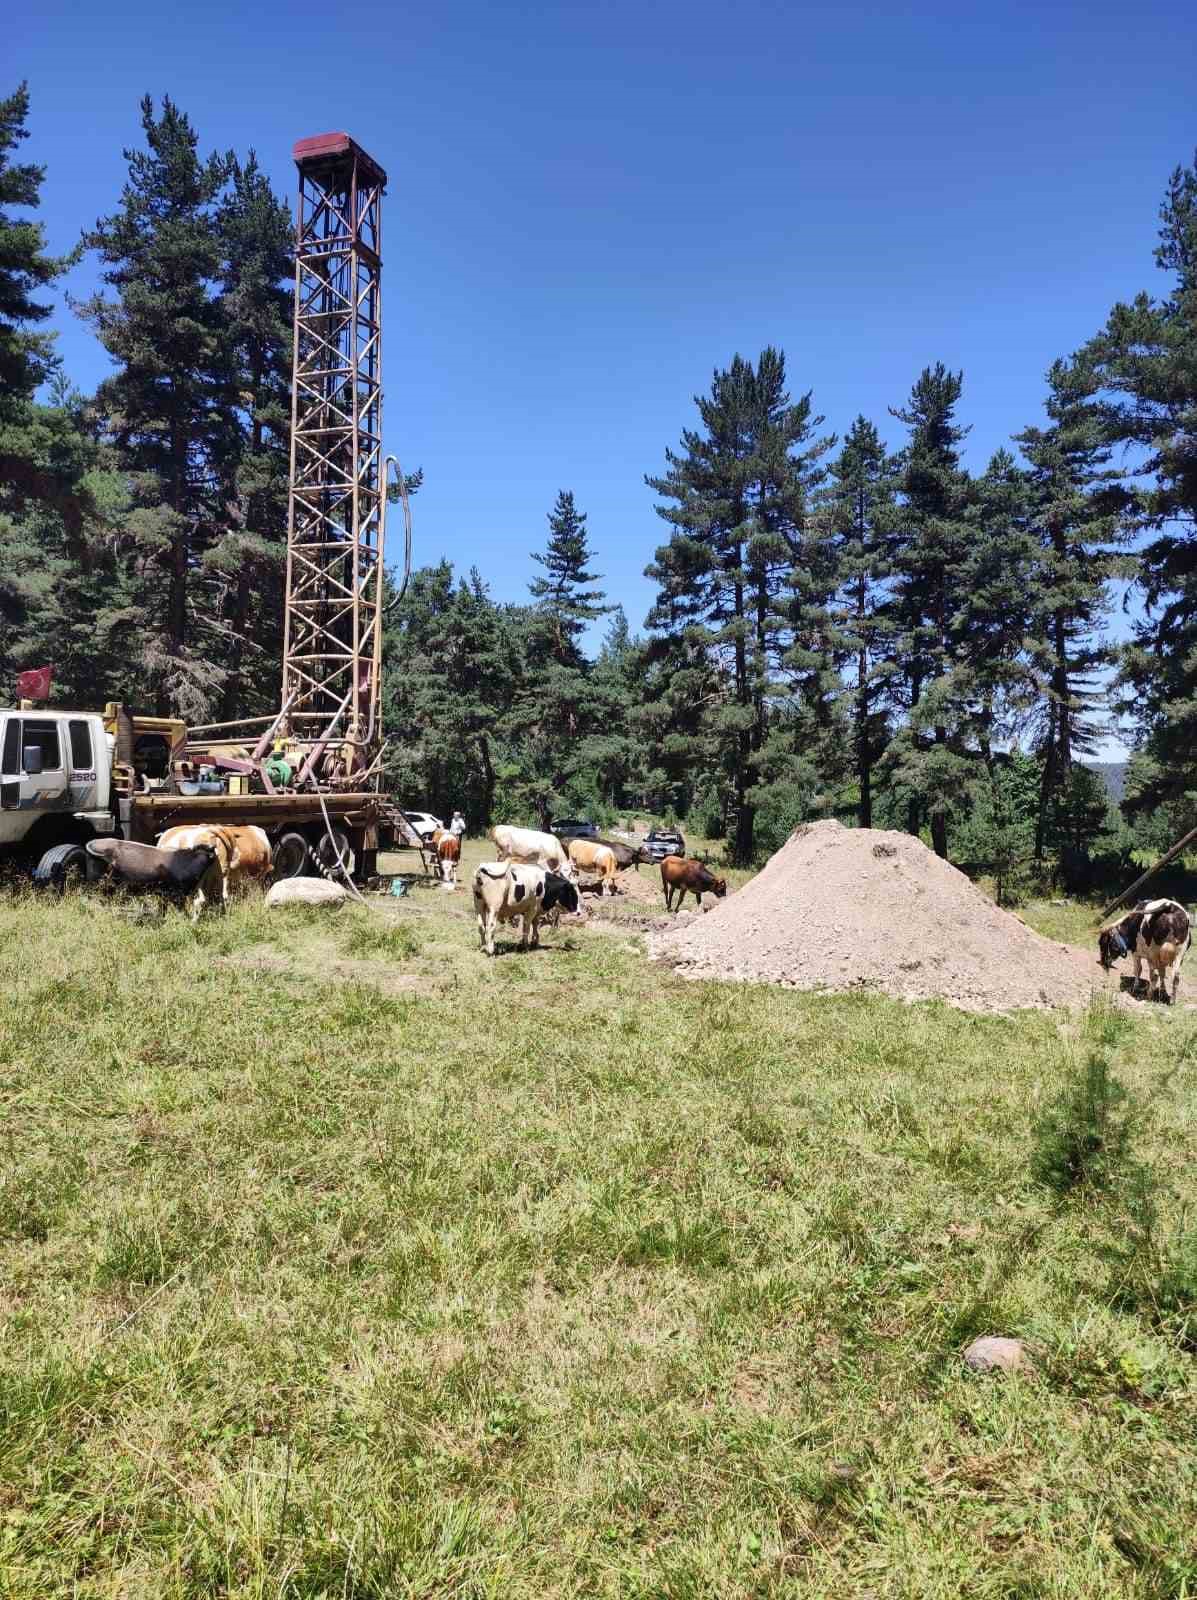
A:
1113, 773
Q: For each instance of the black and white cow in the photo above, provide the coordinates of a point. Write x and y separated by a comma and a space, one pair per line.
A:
511, 890
1156, 931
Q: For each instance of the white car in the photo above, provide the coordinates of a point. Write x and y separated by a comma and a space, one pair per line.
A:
424, 823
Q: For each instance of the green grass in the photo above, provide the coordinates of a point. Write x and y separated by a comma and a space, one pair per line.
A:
337, 1260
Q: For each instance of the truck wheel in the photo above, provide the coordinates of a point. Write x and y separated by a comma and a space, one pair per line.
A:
292, 856
61, 865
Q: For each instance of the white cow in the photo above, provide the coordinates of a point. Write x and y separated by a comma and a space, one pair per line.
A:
533, 848
510, 891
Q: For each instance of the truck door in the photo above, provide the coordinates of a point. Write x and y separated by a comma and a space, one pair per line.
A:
84, 782
34, 770
11, 826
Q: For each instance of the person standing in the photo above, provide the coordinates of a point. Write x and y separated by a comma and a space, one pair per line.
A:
457, 826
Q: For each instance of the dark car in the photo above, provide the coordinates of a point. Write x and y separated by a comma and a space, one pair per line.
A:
663, 842
573, 828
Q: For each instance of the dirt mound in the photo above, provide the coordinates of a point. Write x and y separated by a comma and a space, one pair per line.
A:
860, 908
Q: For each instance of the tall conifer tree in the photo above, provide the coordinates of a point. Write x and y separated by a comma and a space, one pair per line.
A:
739, 490
246, 561
1075, 508
48, 460
929, 561
857, 509
1142, 367
161, 254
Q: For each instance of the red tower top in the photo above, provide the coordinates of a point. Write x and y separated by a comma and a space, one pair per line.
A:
324, 147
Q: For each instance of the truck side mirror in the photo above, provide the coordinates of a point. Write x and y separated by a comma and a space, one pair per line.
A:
31, 760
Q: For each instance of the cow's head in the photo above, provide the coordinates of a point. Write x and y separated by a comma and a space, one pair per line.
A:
559, 893
1111, 945
719, 888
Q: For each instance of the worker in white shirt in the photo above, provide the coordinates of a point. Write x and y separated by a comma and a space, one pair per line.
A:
458, 825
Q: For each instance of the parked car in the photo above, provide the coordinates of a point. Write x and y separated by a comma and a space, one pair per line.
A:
424, 823
662, 842
573, 828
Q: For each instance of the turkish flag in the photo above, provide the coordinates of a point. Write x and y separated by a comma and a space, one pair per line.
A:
35, 684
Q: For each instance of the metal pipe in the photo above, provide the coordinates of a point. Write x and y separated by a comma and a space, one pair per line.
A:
216, 727
305, 770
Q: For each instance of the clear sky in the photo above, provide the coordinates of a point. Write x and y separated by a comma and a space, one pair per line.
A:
593, 206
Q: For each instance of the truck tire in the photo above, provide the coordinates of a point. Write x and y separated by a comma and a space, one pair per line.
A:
292, 856
62, 864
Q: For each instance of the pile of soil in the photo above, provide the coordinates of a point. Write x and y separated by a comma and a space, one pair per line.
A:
861, 908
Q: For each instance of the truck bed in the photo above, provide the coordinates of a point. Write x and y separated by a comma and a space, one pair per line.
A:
151, 813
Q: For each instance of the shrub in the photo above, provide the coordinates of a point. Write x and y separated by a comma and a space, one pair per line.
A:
1082, 1139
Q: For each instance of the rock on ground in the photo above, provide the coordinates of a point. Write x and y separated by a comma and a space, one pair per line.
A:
862, 908
306, 892
994, 1354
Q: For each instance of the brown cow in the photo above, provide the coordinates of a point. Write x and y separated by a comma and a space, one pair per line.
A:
679, 874
590, 857
448, 853
242, 853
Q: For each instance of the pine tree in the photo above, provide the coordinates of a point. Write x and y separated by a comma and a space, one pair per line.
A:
565, 596
993, 681
611, 750
929, 562
452, 666
46, 456
1075, 508
164, 406
857, 509
1142, 367
740, 490
244, 566
26, 355
558, 708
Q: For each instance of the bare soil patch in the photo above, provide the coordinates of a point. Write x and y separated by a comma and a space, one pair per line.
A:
853, 908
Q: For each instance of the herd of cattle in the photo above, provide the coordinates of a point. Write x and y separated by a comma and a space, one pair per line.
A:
536, 875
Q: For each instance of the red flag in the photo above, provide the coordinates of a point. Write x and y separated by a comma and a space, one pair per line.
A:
35, 684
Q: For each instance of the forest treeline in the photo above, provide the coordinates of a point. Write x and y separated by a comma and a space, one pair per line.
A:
849, 624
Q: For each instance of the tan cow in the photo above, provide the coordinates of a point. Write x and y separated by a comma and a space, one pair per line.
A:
242, 854
588, 856
448, 853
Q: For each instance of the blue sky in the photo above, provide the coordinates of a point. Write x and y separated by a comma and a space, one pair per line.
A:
592, 206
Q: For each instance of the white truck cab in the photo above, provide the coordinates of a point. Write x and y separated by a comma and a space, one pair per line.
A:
55, 779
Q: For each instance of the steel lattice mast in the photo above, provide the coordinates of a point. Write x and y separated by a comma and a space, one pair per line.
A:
333, 622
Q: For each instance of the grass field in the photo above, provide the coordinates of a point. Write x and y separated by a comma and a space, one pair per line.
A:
336, 1260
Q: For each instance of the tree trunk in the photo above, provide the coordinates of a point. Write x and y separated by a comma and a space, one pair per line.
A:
1047, 782
1057, 762
176, 605
939, 833
742, 849
232, 698
914, 806
939, 811
864, 764
488, 780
